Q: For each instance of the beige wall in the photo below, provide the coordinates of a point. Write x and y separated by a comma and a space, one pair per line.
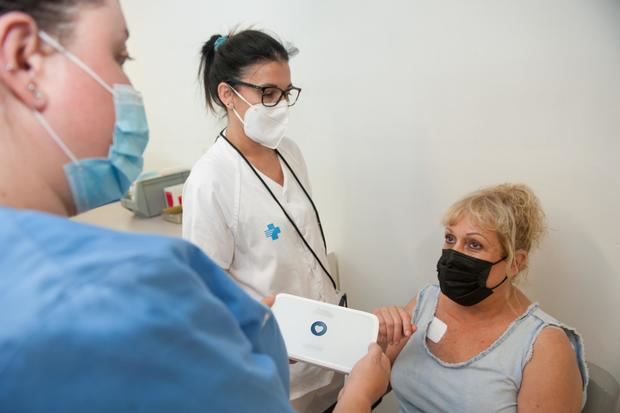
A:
406, 106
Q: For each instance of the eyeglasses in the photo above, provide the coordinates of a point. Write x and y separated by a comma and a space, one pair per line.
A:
272, 95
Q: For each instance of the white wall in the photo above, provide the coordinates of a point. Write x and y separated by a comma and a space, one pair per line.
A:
406, 106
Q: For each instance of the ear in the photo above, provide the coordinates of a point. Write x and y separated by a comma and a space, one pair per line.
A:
225, 94
21, 59
520, 261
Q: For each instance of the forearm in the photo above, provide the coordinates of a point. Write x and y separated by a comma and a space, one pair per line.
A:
353, 403
366, 383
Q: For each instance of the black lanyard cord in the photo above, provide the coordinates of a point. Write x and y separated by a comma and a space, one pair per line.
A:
284, 210
316, 211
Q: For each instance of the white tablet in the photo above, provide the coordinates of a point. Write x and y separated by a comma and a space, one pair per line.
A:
323, 334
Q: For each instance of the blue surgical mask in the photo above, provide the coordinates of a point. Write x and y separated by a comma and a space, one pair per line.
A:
98, 181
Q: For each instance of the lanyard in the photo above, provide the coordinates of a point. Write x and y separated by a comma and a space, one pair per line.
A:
284, 210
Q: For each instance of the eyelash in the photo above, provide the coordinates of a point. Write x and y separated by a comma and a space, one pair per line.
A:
473, 244
477, 247
124, 59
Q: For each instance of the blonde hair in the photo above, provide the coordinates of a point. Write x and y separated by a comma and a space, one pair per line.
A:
511, 210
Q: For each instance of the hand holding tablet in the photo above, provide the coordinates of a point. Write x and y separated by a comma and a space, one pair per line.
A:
324, 334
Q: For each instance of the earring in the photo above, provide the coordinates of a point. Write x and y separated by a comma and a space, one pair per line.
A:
38, 95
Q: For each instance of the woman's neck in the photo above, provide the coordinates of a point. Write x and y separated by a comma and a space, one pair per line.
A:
249, 148
261, 157
23, 191
506, 301
26, 177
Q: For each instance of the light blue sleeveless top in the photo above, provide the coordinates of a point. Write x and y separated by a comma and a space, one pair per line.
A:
488, 382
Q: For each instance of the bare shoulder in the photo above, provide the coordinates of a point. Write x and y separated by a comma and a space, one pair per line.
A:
551, 379
553, 349
554, 339
411, 305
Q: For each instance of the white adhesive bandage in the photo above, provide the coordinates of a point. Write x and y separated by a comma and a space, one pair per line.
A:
436, 330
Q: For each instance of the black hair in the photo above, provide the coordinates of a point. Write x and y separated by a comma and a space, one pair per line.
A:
235, 53
48, 14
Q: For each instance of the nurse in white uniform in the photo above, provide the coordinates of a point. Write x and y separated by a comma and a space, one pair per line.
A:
247, 202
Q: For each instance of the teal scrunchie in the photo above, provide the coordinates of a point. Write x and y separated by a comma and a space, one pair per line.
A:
220, 41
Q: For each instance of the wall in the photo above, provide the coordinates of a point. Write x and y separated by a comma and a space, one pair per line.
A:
406, 106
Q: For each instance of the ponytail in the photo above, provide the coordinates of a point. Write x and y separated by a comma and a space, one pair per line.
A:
225, 58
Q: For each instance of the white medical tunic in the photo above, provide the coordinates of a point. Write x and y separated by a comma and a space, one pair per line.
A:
230, 214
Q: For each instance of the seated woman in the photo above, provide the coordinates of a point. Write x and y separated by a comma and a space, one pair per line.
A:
481, 345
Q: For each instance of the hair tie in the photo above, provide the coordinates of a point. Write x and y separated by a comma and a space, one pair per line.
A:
220, 41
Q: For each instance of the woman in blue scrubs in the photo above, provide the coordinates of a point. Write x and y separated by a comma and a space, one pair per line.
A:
96, 320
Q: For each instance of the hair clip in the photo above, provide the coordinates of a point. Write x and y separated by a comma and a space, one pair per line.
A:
290, 48
220, 41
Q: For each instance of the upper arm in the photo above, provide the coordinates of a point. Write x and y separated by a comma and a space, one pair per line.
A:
393, 350
152, 337
208, 216
551, 379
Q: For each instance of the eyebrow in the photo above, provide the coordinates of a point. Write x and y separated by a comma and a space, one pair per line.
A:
274, 85
469, 234
476, 233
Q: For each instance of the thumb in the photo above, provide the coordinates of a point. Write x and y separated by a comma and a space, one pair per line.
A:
269, 300
374, 350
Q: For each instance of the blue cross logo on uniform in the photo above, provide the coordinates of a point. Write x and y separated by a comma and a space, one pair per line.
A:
272, 232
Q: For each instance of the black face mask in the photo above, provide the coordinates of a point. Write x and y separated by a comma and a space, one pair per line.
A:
463, 279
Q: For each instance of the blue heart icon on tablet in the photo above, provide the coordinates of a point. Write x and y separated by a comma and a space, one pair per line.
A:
318, 328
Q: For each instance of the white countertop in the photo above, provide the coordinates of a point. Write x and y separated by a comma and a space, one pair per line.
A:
114, 216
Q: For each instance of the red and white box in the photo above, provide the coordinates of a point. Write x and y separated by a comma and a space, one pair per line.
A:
174, 195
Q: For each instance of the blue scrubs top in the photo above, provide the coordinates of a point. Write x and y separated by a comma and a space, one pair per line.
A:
93, 320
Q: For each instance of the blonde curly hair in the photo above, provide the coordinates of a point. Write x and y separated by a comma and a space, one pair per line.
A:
511, 210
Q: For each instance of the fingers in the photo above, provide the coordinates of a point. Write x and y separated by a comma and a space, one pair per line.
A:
389, 325
374, 350
397, 326
377, 355
370, 375
269, 300
382, 337
406, 320
394, 325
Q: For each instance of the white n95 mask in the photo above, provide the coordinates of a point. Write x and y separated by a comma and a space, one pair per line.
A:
262, 124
